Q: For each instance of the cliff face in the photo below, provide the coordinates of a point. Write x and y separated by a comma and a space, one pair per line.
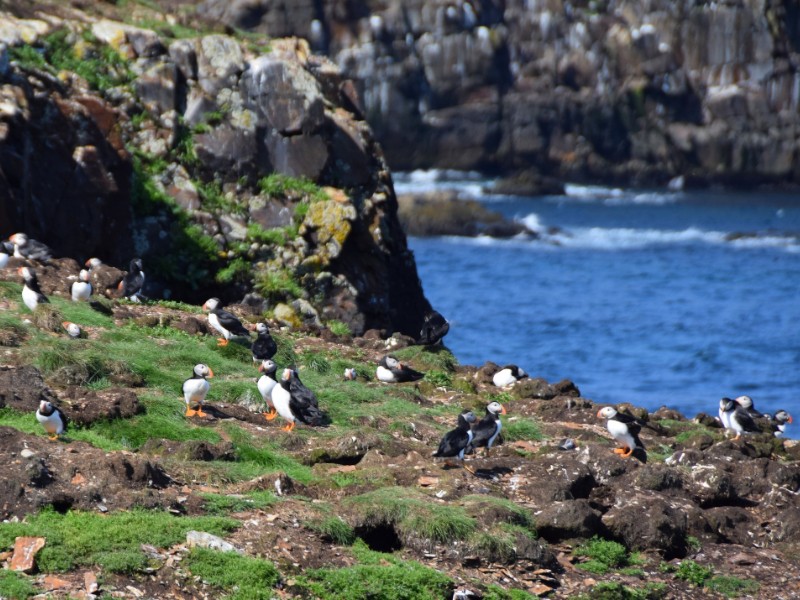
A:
227, 165
615, 91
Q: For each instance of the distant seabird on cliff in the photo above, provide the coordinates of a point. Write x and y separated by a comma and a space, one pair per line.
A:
52, 419
264, 347
746, 402
224, 322
25, 247
739, 419
508, 375
455, 442
133, 282
779, 421
485, 432
391, 370
82, 289
625, 430
196, 388
434, 328
32, 294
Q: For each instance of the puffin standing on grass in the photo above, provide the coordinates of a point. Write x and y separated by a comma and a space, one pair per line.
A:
133, 282
52, 419
625, 430
25, 247
195, 389
294, 408
434, 328
32, 294
81, 290
266, 383
739, 419
264, 347
488, 428
391, 370
508, 375
455, 442
224, 322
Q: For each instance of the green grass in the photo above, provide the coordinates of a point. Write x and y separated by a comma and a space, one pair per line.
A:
377, 575
495, 592
612, 590
604, 556
693, 572
284, 186
520, 428
79, 539
239, 577
339, 328
15, 586
732, 587
422, 357
222, 505
334, 529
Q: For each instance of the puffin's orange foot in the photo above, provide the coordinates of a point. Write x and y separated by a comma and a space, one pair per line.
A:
270, 414
738, 437
628, 453
190, 412
53, 438
200, 413
288, 427
620, 450
468, 469
222, 342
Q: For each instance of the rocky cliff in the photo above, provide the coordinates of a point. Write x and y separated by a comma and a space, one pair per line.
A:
598, 90
229, 165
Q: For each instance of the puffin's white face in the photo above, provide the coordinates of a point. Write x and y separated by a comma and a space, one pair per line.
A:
211, 304
20, 239
93, 262
26, 272
783, 417
350, 373
745, 402
496, 408
469, 416
262, 328
287, 374
45, 406
84, 275
268, 366
609, 412
392, 363
72, 329
204, 371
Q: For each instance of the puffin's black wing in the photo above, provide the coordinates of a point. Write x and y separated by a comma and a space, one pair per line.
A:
231, 323
633, 424
132, 284
408, 374
745, 420
306, 412
63, 417
434, 328
483, 431
264, 347
453, 443
301, 392
37, 250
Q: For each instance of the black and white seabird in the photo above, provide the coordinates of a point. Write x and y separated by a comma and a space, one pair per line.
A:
724, 416
434, 328
25, 247
82, 289
508, 375
265, 384
73, 330
32, 294
746, 402
485, 432
391, 370
92, 263
779, 422
350, 374
294, 408
739, 419
455, 442
6, 250
224, 322
264, 347
196, 388
625, 430
133, 282
52, 419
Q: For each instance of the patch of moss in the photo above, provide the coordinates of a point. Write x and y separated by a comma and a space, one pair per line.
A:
239, 577
15, 586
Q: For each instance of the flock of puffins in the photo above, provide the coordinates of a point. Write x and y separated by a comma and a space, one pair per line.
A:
290, 399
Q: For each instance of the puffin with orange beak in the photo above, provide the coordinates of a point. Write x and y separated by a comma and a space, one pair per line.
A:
32, 294
488, 428
195, 389
391, 370
226, 323
625, 430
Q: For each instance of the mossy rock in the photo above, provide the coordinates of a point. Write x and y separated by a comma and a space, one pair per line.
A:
328, 224
287, 315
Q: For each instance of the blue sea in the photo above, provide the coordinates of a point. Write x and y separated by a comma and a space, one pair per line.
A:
673, 298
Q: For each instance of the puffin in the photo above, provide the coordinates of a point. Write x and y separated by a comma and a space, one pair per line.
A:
131, 285
32, 294
739, 419
434, 328
746, 402
625, 429
92, 263
6, 250
294, 408
455, 442
224, 322
350, 374
81, 289
195, 389
265, 385
264, 347
485, 432
779, 422
73, 330
508, 375
391, 370
25, 247
52, 419
724, 417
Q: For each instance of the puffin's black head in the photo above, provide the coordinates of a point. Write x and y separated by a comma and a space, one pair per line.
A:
468, 416
268, 366
495, 408
782, 416
746, 402
727, 405
6, 247
261, 327
136, 265
46, 408
211, 304
201, 370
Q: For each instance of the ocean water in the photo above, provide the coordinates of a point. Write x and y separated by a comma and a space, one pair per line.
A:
654, 298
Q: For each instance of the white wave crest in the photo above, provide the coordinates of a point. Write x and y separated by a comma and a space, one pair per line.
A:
617, 196
469, 184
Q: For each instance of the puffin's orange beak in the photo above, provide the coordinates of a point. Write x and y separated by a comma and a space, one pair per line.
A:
502, 412
204, 306
65, 324
210, 373
260, 368
790, 418
599, 416
119, 285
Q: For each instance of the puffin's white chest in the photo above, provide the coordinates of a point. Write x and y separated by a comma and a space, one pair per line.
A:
725, 418
280, 400
470, 435
265, 386
735, 424
214, 322
195, 390
3, 260
503, 378
620, 432
52, 423
384, 374
81, 290
30, 298
498, 427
